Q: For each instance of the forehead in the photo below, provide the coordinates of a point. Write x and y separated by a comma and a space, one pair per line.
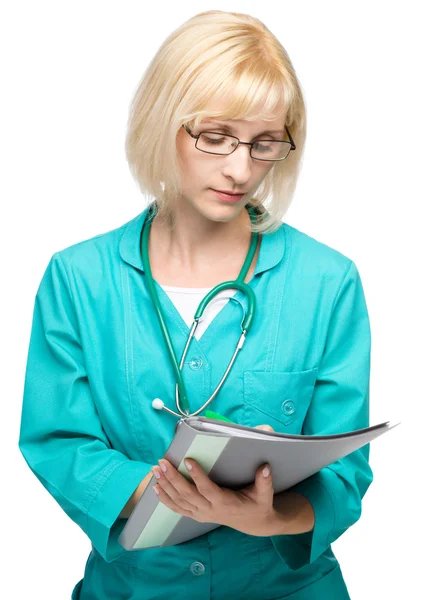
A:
225, 112
230, 126
238, 122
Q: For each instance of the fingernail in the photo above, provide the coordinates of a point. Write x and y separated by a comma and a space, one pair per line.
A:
156, 473
156, 490
266, 471
188, 465
163, 466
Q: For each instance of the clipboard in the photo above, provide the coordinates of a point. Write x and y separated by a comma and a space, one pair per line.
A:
230, 454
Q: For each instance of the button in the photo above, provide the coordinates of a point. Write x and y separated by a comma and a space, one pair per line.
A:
196, 363
197, 568
288, 407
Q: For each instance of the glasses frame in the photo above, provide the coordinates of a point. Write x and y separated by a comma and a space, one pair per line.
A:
196, 137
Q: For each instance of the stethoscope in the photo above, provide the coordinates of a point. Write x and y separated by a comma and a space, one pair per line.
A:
238, 284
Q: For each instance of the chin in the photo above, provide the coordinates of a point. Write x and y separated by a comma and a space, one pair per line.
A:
224, 214
216, 211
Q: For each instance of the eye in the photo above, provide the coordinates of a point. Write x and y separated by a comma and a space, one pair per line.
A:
213, 138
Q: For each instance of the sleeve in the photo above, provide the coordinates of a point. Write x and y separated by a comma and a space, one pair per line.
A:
61, 436
340, 403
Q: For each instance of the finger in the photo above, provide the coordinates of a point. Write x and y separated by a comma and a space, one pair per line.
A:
264, 486
206, 487
171, 491
167, 501
181, 490
264, 427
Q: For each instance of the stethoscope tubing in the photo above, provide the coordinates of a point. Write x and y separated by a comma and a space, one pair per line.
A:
245, 326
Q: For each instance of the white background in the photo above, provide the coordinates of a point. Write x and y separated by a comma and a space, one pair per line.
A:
68, 74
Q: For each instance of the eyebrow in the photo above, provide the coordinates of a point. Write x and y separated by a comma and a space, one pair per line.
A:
229, 129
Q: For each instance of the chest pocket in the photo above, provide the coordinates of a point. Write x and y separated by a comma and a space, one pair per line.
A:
280, 399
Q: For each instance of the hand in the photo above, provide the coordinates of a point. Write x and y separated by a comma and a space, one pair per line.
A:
249, 510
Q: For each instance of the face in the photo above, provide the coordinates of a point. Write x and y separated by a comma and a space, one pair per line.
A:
237, 172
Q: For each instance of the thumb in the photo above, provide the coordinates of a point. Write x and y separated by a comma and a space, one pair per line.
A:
264, 427
264, 483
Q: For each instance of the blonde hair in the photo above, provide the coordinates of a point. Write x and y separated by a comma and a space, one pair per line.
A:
215, 55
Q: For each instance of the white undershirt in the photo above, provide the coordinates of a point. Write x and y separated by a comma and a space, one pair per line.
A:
186, 300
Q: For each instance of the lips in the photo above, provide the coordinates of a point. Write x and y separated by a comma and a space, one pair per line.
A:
228, 197
229, 193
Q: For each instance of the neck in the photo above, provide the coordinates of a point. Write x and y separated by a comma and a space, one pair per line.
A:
196, 241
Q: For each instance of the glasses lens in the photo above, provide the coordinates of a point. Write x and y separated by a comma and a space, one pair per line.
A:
216, 143
270, 150
219, 143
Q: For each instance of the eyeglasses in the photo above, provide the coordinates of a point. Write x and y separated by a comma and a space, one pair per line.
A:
268, 150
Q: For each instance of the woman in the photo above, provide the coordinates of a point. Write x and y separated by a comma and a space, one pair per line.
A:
97, 357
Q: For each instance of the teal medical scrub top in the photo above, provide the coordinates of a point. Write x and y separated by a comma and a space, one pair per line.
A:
97, 359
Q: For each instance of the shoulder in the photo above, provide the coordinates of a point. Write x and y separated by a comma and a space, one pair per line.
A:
314, 251
104, 243
94, 259
309, 257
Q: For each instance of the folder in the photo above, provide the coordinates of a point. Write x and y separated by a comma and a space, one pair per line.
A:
231, 454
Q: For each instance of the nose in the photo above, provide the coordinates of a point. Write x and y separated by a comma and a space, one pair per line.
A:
239, 164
